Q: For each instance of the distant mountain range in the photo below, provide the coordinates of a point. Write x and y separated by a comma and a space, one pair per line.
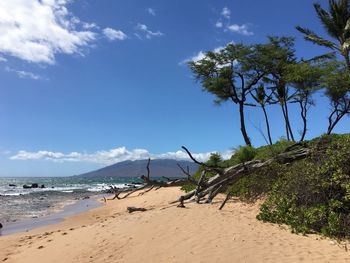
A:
158, 168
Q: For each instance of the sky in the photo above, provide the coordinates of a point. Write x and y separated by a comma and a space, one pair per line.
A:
85, 84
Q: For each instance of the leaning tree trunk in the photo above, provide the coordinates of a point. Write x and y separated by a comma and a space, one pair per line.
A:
243, 129
303, 112
287, 121
267, 124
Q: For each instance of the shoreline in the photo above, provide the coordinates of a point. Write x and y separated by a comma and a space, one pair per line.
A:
55, 217
165, 233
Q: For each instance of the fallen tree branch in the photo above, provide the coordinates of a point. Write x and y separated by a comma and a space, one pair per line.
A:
228, 196
204, 165
229, 176
132, 209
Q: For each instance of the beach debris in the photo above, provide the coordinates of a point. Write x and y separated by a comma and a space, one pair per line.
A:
12, 185
208, 188
148, 184
181, 205
132, 209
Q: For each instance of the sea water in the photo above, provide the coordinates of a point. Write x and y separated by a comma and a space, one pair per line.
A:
18, 203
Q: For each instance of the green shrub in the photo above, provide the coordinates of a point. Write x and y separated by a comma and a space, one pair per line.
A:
270, 151
313, 195
243, 154
188, 187
251, 187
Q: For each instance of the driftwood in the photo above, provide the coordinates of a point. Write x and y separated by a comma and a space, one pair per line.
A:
132, 209
208, 189
149, 184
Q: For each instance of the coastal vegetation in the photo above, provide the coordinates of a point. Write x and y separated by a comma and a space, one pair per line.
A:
310, 193
304, 183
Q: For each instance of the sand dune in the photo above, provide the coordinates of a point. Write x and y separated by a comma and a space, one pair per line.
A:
165, 233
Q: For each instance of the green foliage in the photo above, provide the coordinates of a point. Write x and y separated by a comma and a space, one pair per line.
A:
251, 187
314, 194
243, 154
310, 195
335, 22
188, 187
270, 151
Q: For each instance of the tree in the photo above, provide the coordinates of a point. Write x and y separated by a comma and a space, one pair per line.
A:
282, 54
230, 74
305, 78
337, 88
336, 22
262, 99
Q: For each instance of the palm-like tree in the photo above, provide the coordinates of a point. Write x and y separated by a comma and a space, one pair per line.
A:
336, 22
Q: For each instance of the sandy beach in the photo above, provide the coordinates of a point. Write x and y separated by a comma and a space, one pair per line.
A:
165, 233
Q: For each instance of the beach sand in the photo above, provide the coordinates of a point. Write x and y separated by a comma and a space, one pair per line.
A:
165, 233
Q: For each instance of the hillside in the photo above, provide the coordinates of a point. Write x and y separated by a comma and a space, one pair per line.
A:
158, 167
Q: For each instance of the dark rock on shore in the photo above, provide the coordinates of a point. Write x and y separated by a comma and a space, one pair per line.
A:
12, 185
34, 185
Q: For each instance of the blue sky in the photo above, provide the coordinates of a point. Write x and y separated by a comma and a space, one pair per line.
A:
88, 83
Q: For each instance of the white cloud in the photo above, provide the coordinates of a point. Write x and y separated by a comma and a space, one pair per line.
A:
219, 24
240, 29
2, 59
25, 74
151, 11
148, 33
89, 25
37, 30
200, 55
113, 34
226, 12
111, 156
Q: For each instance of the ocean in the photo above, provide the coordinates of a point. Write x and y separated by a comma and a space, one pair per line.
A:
18, 203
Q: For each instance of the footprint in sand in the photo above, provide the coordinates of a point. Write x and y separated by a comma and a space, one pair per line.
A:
41, 247
64, 233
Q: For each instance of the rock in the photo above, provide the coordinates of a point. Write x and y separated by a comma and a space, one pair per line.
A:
12, 185
26, 186
86, 197
0, 225
42, 186
35, 185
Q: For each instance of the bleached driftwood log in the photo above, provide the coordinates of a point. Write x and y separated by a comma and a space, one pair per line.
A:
207, 189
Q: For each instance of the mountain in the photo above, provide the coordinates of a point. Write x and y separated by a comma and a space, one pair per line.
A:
158, 168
